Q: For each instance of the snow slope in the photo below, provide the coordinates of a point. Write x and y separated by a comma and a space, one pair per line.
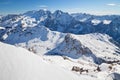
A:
100, 45
19, 64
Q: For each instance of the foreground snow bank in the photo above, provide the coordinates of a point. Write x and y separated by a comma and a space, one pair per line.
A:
19, 64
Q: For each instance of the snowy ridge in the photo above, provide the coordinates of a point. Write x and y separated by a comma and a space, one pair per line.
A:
99, 44
94, 45
73, 48
35, 39
37, 14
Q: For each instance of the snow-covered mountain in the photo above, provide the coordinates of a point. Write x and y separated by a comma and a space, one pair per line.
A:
81, 39
38, 15
38, 25
72, 47
65, 22
108, 24
32, 30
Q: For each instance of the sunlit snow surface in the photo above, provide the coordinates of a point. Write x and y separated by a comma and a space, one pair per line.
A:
20, 64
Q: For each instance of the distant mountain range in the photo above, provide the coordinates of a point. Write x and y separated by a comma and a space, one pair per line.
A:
64, 22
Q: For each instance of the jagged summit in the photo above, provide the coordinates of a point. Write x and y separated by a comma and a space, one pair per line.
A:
58, 13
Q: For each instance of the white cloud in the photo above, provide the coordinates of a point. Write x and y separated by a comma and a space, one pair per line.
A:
42, 6
112, 4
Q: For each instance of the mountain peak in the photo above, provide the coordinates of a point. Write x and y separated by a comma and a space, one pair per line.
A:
57, 13
72, 47
37, 14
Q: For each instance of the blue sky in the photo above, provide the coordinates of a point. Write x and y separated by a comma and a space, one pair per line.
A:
85, 6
